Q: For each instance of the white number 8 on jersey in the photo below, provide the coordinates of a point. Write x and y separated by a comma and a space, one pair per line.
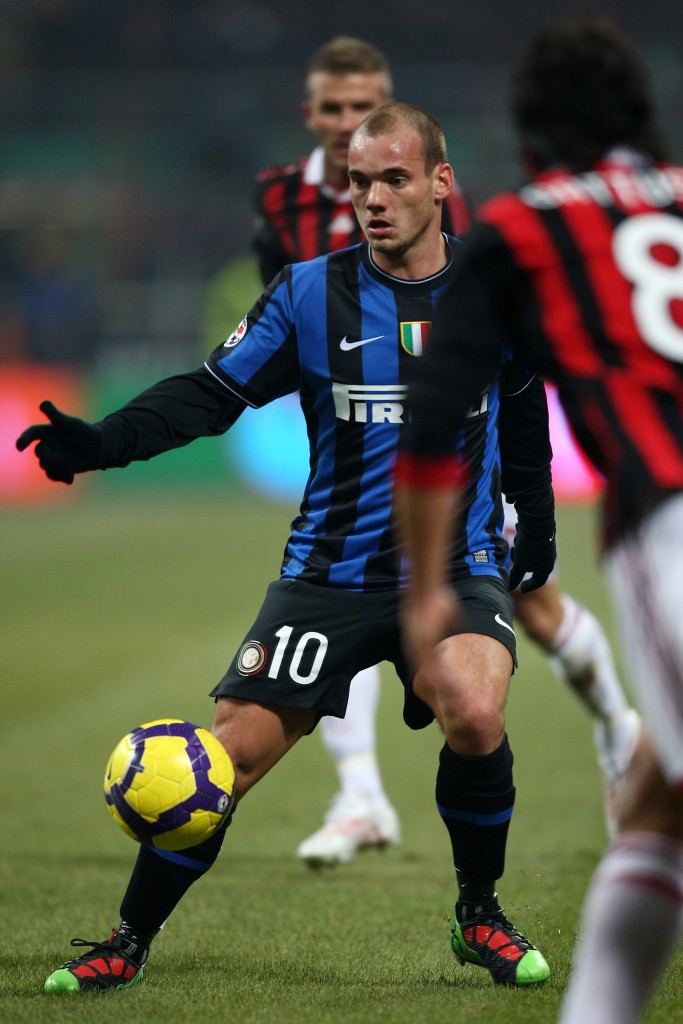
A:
656, 284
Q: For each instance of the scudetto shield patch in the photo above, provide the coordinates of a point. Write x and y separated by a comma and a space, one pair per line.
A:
414, 336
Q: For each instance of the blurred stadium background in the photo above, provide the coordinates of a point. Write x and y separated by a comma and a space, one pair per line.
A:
130, 134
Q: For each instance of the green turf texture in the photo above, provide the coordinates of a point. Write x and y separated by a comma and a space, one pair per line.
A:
121, 609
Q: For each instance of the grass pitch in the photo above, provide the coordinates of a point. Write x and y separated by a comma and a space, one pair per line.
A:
117, 610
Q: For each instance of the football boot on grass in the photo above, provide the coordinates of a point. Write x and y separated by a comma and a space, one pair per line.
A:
115, 963
490, 941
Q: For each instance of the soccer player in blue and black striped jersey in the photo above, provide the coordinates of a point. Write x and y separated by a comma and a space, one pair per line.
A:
346, 331
303, 210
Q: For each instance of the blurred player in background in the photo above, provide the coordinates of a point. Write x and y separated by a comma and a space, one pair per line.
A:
583, 266
345, 331
304, 210
581, 657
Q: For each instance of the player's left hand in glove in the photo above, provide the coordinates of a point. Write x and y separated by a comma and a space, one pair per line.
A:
66, 445
534, 551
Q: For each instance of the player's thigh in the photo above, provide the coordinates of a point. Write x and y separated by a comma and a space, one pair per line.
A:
487, 609
472, 668
468, 676
645, 574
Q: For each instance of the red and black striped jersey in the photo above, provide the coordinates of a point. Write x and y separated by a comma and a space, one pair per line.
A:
584, 272
298, 217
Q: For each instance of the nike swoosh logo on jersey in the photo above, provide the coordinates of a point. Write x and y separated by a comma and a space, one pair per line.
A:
346, 346
502, 622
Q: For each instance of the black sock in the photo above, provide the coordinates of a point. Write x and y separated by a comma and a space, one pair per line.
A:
159, 881
134, 944
475, 898
475, 797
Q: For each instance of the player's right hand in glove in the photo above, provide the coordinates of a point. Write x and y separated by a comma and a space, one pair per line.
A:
66, 445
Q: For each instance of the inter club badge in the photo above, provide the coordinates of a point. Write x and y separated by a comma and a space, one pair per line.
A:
252, 658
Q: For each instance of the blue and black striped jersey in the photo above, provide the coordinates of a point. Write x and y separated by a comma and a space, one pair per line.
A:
346, 336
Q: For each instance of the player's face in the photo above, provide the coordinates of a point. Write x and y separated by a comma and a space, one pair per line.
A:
395, 198
336, 106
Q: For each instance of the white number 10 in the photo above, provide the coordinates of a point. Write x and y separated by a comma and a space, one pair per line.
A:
284, 635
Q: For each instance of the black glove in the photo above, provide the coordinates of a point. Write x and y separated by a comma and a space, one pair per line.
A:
534, 551
66, 445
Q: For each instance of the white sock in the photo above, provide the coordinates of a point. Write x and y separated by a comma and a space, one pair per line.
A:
350, 741
582, 658
629, 929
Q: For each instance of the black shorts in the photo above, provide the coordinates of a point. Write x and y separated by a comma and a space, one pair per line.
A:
308, 642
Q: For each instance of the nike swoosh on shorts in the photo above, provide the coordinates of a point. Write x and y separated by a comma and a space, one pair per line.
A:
502, 622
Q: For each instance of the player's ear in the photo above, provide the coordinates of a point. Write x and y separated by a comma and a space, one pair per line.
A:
443, 180
307, 110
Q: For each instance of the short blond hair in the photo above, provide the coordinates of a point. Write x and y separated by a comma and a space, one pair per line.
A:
347, 55
385, 119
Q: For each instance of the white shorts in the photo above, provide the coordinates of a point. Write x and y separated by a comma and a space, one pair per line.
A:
645, 575
510, 531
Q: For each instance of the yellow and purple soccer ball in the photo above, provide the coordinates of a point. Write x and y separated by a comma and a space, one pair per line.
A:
169, 784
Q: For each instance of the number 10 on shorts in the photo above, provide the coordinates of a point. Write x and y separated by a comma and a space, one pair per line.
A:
284, 635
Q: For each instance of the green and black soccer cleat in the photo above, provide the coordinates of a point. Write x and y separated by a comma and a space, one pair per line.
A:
115, 963
490, 941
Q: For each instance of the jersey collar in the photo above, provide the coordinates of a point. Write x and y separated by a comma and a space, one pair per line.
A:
400, 284
314, 174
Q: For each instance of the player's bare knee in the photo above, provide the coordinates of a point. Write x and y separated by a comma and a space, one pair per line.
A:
474, 727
